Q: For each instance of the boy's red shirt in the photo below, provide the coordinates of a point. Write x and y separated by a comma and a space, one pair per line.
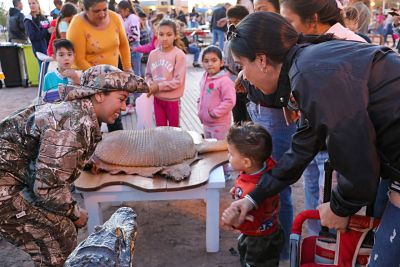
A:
266, 215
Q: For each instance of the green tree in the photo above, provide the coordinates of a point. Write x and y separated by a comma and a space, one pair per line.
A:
3, 14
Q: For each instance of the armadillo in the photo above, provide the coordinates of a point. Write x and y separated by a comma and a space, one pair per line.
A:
111, 245
168, 151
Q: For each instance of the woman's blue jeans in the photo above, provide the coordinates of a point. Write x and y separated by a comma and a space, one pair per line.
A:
218, 36
385, 251
313, 180
273, 120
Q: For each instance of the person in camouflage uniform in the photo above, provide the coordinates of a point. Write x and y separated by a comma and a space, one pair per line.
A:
42, 151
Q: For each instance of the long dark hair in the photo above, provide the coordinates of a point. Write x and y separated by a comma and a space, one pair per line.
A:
275, 39
67, 10
275, 3
327, 11
212, 49
127, 4
89, 3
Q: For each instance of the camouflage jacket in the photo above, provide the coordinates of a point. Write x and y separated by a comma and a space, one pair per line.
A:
44, 148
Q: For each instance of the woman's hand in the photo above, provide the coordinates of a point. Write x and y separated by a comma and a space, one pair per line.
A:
153, 88
236, 213
330, 219
83, 218
50, 29
238, 85
290, 116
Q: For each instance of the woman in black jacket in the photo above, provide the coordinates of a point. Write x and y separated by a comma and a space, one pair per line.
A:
347, 94
37, 28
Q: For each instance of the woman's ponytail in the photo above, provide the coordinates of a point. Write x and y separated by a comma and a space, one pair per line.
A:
315, 39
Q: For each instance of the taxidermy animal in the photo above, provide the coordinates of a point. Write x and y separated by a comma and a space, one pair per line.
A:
167, 151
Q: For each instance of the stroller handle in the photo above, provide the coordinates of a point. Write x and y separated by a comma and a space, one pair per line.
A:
301, 217
43, 57
355, 221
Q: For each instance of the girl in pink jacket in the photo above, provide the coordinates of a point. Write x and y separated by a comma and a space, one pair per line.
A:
217, 96
166, 74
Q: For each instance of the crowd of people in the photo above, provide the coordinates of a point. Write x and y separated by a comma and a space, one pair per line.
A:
305, 87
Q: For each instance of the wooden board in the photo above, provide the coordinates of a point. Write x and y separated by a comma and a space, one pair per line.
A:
199, 176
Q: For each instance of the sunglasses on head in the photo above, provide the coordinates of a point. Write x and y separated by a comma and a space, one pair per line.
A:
231, 33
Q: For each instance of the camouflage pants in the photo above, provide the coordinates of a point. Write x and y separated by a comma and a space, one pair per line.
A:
47, 237
260, 251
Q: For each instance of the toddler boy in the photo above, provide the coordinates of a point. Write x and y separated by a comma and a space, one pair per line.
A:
261, 239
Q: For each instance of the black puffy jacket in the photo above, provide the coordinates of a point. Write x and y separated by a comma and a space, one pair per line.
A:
16, 28
349, 97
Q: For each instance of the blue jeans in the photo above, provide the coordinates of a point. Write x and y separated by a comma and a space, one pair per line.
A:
143, 70
218, 36
381, 198
273, 120
385, 251
135, 60
313, 180
195, 50
193, 24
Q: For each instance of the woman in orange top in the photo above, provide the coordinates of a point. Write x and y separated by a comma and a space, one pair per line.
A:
99, 37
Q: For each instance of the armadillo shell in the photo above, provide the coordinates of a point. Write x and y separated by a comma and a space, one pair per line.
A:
159, 146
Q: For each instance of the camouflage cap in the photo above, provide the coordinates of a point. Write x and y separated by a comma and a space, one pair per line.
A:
103, 78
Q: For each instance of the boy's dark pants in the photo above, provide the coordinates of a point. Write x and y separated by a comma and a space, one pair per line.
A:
260, 251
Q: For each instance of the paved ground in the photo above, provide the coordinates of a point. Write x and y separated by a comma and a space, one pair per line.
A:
171, 233
12, 99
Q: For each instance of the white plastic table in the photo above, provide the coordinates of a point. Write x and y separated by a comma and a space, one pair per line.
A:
115, 193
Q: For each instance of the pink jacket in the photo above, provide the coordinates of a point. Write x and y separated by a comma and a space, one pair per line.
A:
147, 48
217, 99
168, 70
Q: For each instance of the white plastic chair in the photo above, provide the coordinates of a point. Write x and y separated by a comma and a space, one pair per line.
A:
45, 60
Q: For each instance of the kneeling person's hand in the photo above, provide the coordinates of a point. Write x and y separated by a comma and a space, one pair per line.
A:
83, 218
